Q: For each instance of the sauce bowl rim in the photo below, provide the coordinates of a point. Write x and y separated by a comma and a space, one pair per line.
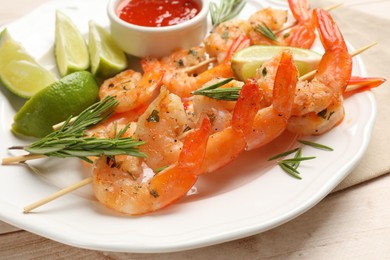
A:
111, 10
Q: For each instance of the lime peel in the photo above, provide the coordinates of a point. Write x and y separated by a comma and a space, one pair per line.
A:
245, 62
107, 59
56, 103
70, 47
19, 72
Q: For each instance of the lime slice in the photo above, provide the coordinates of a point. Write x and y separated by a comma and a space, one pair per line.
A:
107, 59
246, 61
55, 103
19, 72
70, 48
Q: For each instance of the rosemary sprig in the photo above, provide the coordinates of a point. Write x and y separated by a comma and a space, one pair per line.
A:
228, 94
290, 166
70, 141
227, 10
266, 32
213, 91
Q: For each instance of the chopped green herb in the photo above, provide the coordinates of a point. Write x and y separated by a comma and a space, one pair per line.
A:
154, 117
192, 52
264, 72
323, 113
154, 193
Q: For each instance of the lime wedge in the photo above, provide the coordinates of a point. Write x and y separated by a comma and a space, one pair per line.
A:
107, 59
19, 72
246, 61
70, 48
55, 103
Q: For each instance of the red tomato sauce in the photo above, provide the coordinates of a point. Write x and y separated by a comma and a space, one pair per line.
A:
157, 13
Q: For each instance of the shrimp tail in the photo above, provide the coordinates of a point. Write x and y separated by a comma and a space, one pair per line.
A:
154, 73
336, 52
174, 182
248, 103
239, 43
224, 146
358, 84
271, 121
223, 70
303, 33
284, 86
300, 10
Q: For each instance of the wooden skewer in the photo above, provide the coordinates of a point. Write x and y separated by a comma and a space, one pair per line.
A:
56, 195
60, 124
311, 74
332, 7
200, 64
22, 158
329, 8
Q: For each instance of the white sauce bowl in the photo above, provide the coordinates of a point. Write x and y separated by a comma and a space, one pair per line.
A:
142, 41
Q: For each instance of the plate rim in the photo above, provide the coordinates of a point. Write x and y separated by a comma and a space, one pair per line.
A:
7, 217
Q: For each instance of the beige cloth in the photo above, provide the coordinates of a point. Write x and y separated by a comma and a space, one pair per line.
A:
361, 29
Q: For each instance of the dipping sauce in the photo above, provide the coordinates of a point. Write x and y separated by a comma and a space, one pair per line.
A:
157, 13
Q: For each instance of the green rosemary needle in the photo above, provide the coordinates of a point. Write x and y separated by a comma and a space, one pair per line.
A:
266, 32
70, 141
213, 91
316, 145
228, 9
283, 154
298, 154
290, 166
290, 170
298, 159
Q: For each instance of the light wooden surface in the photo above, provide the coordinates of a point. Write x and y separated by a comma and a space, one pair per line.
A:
350, 224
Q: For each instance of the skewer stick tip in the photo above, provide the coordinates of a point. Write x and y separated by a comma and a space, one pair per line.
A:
21, 158
331, 7
56, 195
360, 50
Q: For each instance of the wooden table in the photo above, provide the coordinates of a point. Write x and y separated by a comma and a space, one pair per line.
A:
350, 224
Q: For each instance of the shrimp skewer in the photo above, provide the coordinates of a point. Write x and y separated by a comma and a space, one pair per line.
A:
162, 127
128, 193
319, 103
222, 37
182, 84
270, 19
226, 145
302, 33
271, 121
330, 79
253, 126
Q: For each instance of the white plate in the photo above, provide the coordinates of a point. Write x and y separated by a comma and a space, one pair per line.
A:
248, 197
